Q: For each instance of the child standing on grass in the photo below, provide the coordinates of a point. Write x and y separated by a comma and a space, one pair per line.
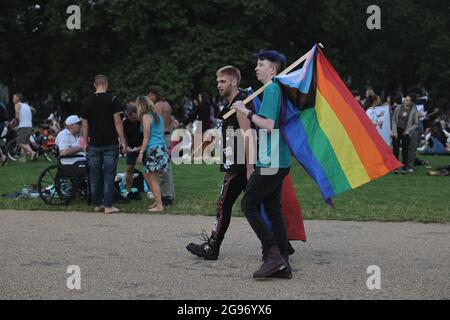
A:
153, 146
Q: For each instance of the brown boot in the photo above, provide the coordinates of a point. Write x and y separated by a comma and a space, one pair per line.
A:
272, 263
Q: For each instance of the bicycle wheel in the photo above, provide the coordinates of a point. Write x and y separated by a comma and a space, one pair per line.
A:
51, 155
13, 150
4, 152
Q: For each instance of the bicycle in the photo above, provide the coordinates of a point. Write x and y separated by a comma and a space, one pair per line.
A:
43, 144
7, 134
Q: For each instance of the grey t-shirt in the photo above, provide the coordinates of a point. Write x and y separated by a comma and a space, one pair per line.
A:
403, 117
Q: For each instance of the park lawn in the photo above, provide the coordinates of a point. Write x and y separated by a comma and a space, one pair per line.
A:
412, 197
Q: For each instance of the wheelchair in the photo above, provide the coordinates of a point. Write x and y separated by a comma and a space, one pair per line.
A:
60, 184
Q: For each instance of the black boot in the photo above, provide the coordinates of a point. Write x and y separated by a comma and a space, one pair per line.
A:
208, 250
272, 263
286, 273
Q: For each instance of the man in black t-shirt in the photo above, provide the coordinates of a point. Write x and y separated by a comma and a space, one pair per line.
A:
134, 136
102, 126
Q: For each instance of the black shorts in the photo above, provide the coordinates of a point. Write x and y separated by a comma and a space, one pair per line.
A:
131, 158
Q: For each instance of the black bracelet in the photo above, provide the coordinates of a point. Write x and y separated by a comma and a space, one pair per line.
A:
250, 115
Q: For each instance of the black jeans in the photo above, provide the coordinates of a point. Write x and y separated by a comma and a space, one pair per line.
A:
404, 140
233, 184
266, 190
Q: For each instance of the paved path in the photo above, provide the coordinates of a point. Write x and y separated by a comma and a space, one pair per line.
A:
127, 256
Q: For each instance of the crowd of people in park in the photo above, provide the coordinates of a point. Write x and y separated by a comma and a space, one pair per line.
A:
418, 124
141, 130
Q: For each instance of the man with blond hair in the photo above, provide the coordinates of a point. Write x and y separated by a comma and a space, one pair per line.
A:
236, 172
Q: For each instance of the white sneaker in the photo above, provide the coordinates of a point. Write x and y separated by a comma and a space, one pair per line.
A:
421, 149
150, 195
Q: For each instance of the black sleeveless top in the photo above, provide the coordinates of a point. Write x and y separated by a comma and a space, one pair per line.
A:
230, 155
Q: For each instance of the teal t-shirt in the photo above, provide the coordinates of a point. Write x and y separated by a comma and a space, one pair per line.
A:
156, 133
268, 149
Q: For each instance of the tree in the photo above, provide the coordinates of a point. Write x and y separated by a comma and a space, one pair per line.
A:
179, 44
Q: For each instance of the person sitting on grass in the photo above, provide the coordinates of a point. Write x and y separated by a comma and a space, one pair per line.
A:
68, 142
440, 172
437, 140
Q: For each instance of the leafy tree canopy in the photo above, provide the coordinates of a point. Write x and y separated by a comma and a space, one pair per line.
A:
179, 44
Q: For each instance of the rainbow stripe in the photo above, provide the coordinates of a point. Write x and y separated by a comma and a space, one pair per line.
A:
327, 130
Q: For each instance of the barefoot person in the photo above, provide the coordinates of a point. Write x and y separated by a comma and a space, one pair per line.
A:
274, 161
102, 126
153, 153
165, 111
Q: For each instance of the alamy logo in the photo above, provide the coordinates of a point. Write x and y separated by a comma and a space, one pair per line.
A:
374, 281
374, 20
74, 281
74, 20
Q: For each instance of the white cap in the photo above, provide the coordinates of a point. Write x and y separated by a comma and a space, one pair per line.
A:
72, 120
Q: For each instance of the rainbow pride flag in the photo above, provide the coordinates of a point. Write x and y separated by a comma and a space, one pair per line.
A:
328, 131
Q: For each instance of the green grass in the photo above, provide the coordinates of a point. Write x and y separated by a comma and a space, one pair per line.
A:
412, 197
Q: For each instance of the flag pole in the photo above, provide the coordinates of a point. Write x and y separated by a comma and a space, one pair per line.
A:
260, 90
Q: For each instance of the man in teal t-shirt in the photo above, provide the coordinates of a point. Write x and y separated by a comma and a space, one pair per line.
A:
264, 186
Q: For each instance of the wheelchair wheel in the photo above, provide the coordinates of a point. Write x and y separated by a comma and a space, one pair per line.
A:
57, 188
83, 188
67, 185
